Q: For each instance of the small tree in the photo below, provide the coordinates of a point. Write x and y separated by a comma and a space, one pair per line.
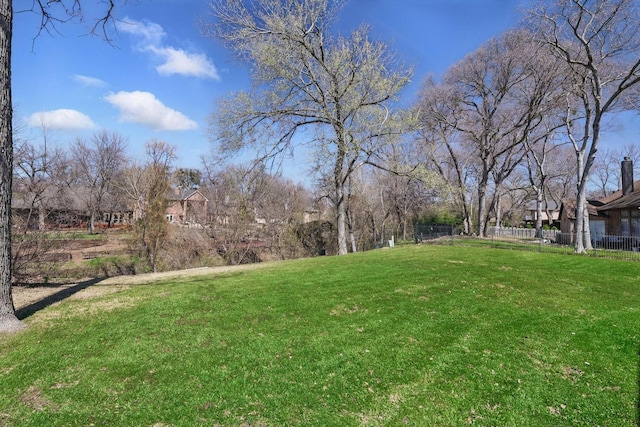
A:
234, 193
154, 186
38, 188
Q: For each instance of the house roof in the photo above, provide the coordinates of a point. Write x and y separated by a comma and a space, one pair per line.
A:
618, 201
598, 207
550, 205
570, 207
180, 194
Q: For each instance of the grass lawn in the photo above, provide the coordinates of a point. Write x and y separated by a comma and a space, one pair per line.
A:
415, 335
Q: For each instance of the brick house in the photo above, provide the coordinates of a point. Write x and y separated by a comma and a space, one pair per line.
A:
187, 207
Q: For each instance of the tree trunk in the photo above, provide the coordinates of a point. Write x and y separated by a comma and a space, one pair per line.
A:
42, 214
586, 233
92, 222
467, 220
341, 221
482, 210
352, 237
539, 201
498, 209
8, 319
341, 203
582, 233
578, 231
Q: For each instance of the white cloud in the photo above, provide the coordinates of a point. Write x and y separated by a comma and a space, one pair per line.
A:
89, 81
144, 108
62, 119
177, 61
174, 60
150, 32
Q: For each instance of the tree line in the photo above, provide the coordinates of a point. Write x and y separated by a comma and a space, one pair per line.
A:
523, 117
504, 122
94, 184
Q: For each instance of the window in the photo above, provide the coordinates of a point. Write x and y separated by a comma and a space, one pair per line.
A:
169, 217
596, 227
624, 223
635, 223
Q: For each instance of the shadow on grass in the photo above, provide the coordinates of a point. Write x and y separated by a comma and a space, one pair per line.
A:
61, 295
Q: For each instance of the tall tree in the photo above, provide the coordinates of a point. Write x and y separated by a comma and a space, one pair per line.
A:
8, 321
333, 93
441, 149
52, 12
496, 99
600, 43
96, 164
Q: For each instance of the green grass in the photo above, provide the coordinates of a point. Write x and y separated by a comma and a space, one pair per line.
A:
417, 335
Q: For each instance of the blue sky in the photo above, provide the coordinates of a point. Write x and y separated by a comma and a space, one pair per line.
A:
159, 78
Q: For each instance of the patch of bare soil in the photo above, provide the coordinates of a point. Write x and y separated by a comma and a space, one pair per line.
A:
33, 399
111, 247
24, 296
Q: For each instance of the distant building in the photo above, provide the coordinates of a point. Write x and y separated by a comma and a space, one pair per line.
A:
187, 207
549, 208
613, 220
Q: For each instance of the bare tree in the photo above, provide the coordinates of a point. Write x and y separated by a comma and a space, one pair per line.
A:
338, 90
440, 146
280, 209
133, 184
150, 187
52, 12
539, 173
606, 175
561, 170
491, 102
95, 166
242, 200
37, 188
38, 170
600, 43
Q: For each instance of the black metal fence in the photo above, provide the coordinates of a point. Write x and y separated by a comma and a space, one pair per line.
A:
552, 241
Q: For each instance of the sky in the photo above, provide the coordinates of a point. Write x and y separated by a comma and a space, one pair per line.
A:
160, 76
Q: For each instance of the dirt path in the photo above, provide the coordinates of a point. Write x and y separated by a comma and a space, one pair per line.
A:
27, 295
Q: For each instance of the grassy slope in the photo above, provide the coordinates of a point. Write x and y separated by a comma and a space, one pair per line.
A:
417, 335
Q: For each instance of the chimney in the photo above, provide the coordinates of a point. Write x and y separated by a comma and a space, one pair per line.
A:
627, 176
